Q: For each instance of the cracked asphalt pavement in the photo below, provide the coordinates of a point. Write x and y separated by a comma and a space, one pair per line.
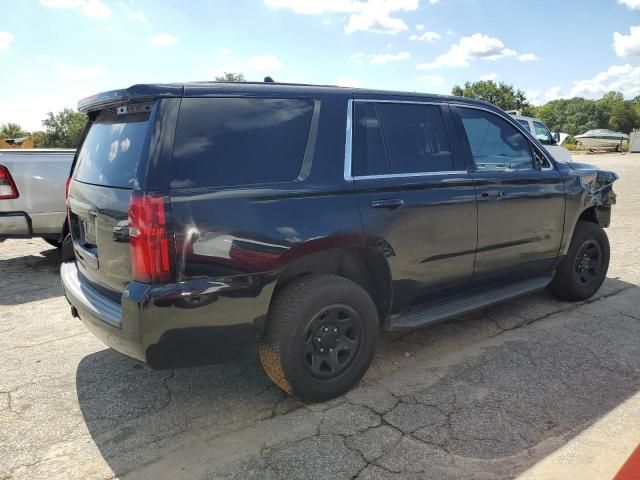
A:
525, 388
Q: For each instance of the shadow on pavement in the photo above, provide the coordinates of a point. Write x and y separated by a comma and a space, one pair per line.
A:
506, 399
39, 277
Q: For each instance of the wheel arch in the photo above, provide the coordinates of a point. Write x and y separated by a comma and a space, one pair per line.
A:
365, 266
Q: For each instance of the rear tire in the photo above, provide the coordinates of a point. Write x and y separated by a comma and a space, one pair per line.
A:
320, 336
583, 270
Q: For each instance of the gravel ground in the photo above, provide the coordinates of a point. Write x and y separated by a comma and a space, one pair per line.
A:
528, 387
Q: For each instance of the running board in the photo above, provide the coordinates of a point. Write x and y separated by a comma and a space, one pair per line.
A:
438, 311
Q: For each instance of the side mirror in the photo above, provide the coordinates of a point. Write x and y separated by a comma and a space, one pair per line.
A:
556, 138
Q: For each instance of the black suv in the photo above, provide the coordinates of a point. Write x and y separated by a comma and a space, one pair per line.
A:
318, 215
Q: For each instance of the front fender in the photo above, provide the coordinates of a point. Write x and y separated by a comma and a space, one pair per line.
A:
589, 194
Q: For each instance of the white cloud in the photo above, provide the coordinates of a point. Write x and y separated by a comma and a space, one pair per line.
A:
365, 15
476, 46
632, 4
426, 37
133, 13
433, 80
342, 81
419, 27
253, 67
627, 45
489, 76
77, 72
619, 78
554, 93
433, 2
223, 52
534, 96
164, 40
528, 57
6, 38
90, 8
379, 58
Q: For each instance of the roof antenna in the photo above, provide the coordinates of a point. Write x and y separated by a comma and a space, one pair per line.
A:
268, 80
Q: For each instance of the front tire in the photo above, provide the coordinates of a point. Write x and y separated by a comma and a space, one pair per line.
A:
320, 337
583, 270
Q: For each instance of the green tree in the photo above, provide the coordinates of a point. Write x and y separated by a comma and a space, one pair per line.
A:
62, 130
500, 94
231, 77
12, 130
573, 115
623, 117
39, 139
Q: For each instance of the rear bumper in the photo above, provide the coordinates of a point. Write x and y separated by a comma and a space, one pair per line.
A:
15, 225
147, 313
28, 225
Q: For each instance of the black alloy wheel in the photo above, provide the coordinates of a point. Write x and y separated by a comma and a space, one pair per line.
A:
332, 340
588, 263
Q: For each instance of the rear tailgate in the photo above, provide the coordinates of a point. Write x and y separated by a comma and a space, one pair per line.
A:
102, 182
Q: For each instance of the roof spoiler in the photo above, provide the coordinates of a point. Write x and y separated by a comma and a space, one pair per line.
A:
126, 95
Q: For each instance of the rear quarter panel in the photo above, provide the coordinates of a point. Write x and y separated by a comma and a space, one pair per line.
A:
226, 232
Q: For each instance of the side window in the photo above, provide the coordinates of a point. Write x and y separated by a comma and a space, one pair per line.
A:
495, 144
525, 124
239, 141
368, 154
542, 134
415, 138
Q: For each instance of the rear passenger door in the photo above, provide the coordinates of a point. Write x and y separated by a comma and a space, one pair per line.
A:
520, 198
416, 198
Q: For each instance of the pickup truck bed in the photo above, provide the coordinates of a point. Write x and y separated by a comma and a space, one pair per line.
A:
39, 210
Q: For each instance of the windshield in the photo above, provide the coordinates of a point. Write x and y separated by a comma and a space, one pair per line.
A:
542, 134
110, 152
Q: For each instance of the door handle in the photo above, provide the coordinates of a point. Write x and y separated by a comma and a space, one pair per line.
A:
493, 194
391, 203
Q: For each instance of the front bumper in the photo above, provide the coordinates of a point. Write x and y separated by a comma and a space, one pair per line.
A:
146, 313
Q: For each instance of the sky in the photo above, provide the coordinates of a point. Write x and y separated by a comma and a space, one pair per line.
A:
55, 52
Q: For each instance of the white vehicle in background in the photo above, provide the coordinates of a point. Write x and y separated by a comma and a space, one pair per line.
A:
32, 193
539, 130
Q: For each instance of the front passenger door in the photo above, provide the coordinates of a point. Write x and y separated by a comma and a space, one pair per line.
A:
520, 198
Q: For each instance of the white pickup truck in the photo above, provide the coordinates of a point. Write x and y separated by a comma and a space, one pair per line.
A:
551, 142
32, 193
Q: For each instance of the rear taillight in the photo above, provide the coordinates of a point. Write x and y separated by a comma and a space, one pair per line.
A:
152, 246
7, 186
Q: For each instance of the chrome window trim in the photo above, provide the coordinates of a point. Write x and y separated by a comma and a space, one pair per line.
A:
519, 127
348, 144
416, 102
409, 175
348, 176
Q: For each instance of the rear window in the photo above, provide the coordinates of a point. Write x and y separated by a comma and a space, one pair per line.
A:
239, 141
110, 152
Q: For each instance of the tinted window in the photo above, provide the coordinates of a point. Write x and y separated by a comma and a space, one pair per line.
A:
525, 124
495, 144
415, 138
368, 154
236, 141
542, 134
110, 152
